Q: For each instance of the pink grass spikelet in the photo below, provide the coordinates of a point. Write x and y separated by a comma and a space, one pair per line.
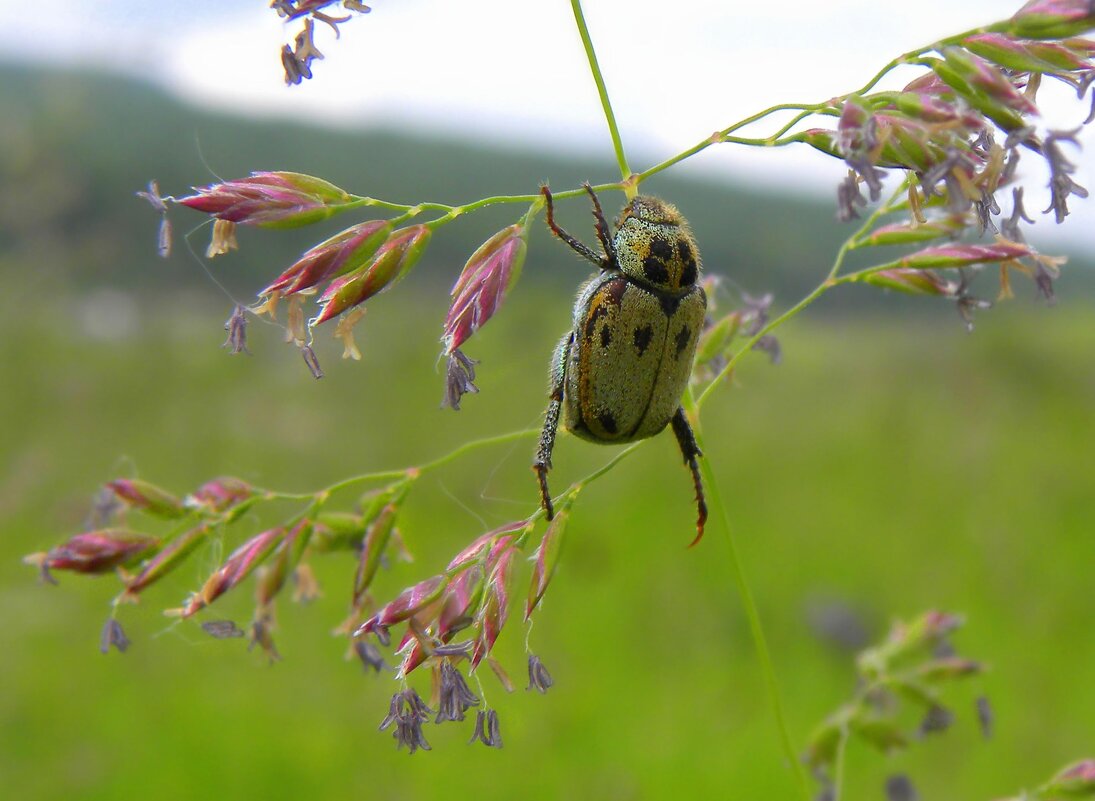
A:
483, 544
166, 560
1077, 780
913, 282
983, 75
1053, 19
269, 199
220, 494
375, 543
495, 609
287, 556
342, 253
1028, 56
236, 568
95, 552
964, 254
461, 602
547, 558
392, 260
409, 603
143, 495
487, 277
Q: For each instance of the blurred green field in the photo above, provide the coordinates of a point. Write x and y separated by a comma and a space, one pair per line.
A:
889, 466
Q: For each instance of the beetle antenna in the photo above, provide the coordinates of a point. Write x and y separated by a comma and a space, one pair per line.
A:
602, 228
578, 247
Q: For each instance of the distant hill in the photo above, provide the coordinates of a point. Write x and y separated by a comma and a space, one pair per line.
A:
75, 145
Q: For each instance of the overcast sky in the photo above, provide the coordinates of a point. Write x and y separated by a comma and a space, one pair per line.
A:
514, 71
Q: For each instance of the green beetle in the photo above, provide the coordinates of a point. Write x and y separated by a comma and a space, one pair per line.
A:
620, 373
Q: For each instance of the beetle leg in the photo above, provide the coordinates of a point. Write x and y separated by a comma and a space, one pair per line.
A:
551, 421
578, 247
687, 441
602, 227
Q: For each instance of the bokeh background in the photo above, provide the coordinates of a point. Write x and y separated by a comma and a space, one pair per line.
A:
891, 464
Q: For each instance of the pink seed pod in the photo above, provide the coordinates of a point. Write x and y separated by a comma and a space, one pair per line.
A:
964, 254
1027, 56
172, 555
1077, 780
547, 558
913, 282
147, 497
392, 260
343, 252
236, 568
220, 494
483, 284
95, 551
269, 199
1052, 19
409, 603
495, 608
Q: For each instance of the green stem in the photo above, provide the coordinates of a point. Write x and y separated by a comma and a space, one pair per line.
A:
449, 213
669, 162
600, 471
756, 629
838, 771
610, 118
912, 55
500, 439
805, 110
392, 475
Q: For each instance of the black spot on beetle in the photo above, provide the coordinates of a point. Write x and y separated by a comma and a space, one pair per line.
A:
607, 299
661, 249
606, 336
669, 303
607, 421
594, 316
655, 270
682, 340
689, 274
643, 336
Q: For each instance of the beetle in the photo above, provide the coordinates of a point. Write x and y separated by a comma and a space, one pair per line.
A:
619, 374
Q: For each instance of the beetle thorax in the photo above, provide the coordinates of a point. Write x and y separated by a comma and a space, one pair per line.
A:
654, 246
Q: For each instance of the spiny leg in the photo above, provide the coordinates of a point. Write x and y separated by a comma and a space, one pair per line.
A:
687, 441
578, 247
602, 227
551, 422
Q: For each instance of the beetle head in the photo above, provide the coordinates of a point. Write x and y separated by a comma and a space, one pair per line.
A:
654, 245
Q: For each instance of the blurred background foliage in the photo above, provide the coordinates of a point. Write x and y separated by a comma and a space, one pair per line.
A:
890, 465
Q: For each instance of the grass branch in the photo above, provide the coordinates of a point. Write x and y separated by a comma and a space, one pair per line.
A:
602, 91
